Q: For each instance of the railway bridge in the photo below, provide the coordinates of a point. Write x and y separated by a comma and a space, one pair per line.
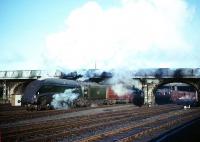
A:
150, 80
13, 83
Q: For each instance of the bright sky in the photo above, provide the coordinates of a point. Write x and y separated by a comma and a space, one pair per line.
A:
76, 34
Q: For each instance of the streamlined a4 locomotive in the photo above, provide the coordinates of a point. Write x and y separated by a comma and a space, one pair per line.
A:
39, 93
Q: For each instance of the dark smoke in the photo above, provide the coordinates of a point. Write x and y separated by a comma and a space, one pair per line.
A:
96, 75
71, 76
91, 75
178, 73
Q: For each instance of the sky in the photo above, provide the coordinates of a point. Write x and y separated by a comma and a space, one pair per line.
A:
108, 34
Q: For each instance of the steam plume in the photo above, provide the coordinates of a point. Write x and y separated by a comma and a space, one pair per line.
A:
137, 34
64, 100
121, 82
121, 90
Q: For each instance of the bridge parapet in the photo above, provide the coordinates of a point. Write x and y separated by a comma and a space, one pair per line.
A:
164, 77
168, 73
28, 74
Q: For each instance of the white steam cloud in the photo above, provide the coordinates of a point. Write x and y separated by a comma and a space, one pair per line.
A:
86, 74
122, 82
137, 34
64, 100
121, 90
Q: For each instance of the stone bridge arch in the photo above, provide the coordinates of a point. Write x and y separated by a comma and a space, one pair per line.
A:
18, 89
150, 85
14, 87
192, 82
195, 82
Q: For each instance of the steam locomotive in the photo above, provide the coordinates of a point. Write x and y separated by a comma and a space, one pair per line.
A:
39, 94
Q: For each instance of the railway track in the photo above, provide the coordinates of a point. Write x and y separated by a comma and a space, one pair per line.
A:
146, 127
84, 128
155, 127
16, 114
61, 122
8, 107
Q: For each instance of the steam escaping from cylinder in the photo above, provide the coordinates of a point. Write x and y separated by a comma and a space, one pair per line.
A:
64, 100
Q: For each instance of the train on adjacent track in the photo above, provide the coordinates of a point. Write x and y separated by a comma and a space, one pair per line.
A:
39, 94
181, 94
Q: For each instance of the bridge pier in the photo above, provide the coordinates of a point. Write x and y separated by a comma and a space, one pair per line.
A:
148, 89
198, 96
4, 90
149, 98
10, 88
